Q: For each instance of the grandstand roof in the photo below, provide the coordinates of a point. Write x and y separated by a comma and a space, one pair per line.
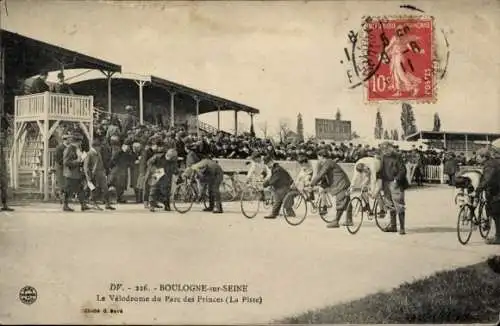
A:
161, 87
452, 135
25, 57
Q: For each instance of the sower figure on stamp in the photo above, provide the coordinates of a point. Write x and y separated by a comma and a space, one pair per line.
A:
95, 174
72, 162
394, 184
336, 182
281, 181
166, 167
211, 173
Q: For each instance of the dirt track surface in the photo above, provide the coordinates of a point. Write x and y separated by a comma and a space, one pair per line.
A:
70, 258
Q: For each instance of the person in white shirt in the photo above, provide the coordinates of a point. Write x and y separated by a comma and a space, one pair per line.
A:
304, 177
366, 177
256, 168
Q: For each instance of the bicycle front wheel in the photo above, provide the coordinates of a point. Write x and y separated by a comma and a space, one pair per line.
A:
184, 197
356, 207
250, 202
294, 208
485, 222
464, 224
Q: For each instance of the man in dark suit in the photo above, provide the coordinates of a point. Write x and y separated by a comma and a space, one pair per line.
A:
281, 182
394, 184
72, 165
59, 165
210, 173
39, 84
95, 174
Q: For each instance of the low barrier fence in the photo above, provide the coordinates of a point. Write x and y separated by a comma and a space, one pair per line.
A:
432, 173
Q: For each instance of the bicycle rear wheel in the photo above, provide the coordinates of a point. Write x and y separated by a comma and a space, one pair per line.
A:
485, 222
464, 224
382, 219
250, 202
184, 197
297, 208
357, 215
227, 191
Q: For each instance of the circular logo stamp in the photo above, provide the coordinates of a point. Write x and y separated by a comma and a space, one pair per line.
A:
28, 295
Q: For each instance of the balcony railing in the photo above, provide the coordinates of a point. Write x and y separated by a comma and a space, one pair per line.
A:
54, 106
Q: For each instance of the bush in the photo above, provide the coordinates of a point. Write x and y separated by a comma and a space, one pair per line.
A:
465, 295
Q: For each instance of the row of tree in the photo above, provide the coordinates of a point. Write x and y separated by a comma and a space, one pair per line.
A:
408, 124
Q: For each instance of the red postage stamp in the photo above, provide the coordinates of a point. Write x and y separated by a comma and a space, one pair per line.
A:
403, 48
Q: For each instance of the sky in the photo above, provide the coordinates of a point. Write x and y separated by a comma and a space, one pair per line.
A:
280, 57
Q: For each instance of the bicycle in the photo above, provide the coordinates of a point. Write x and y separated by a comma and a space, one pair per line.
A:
361, 204
233, 189
473, 212
256, 195
320, 203
187, 193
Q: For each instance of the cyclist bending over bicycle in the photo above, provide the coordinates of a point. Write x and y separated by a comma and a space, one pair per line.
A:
367, 175
281, 181
211, 173
336, 182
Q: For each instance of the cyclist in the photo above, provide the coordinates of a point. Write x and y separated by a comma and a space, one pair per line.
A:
281, 181
256, 171
335, 180
304, 177
467, 181
367, 175
490, 184
211, 173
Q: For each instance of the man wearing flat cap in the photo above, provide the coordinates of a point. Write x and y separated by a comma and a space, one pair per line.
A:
59, 164
394, 184
62, 87
281, 181
39, 84
95, 174
72, 171
490, 185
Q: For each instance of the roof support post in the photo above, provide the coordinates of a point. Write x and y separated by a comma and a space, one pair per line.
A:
141, 84
172, 109
108, 75
466, 146
251, 123
218, 117
444, 140
236, 122
197, 99
487, 139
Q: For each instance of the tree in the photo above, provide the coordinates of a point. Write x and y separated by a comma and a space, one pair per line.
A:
338, 116
437, 122
300, 127
263, 128
379, 130
408, 122
386, 134
395, 134
284, 128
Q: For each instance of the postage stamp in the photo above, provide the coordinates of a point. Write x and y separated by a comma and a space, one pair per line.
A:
401, 56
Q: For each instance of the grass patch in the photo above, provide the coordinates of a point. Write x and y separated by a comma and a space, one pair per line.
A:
465, 295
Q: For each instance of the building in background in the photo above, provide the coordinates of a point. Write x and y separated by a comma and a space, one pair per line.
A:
330, 129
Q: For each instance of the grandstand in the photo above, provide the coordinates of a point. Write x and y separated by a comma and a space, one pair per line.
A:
466, 142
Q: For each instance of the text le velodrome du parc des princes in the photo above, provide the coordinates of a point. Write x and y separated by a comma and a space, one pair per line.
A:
179, 293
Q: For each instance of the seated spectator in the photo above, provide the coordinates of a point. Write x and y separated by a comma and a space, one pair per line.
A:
39, 84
